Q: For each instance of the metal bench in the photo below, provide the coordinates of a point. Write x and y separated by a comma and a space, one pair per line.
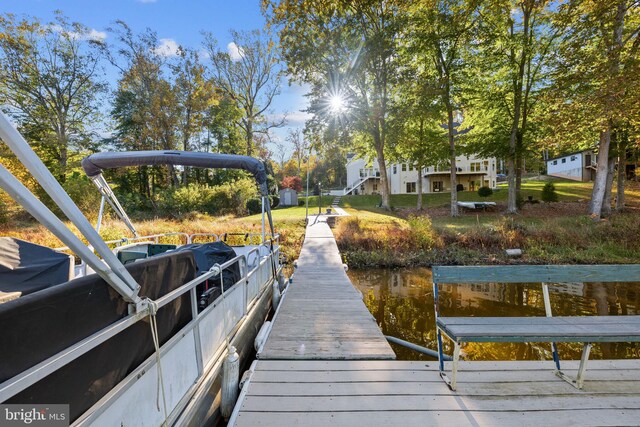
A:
584, 329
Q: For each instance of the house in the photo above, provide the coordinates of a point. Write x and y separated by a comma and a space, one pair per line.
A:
473, 172
578, 166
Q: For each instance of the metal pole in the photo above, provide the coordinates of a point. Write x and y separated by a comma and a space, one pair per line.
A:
100, 212
306, 216
263, 230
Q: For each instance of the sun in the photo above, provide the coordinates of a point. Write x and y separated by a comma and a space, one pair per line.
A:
336, 104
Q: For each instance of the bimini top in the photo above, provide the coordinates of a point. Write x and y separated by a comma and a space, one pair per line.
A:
94, 164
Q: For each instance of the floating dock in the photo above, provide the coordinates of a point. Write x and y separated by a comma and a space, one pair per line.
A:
326, 363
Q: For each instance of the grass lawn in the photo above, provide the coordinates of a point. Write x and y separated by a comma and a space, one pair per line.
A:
568, 191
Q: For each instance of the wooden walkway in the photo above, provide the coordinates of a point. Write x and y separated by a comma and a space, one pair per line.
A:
390, 393
322, 315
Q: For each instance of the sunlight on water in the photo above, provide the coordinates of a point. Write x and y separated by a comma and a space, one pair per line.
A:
402, 303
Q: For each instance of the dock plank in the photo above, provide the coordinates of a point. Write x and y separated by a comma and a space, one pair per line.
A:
383, 393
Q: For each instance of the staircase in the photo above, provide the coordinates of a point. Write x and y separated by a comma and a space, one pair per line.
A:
336, 201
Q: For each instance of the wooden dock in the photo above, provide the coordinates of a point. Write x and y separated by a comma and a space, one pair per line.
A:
322, 315
324, 364
403, 393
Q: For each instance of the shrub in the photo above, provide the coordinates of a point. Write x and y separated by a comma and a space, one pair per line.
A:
293, 182
549, 193
254, 206
485, 191
4, 217
302, 202
422, 231
275, 201
228, 198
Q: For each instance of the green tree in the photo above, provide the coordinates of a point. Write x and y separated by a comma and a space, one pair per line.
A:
248, 74
50, 82
441, 31
599, 79
512, 57
347, 52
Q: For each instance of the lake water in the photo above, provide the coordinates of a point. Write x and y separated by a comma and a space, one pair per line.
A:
402, 303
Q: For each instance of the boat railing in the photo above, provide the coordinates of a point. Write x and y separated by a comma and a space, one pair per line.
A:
263, 272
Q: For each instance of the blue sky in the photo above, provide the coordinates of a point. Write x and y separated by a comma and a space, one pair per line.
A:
174, 21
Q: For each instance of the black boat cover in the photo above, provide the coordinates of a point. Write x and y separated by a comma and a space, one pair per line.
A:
26, 267
37, 326
94, 164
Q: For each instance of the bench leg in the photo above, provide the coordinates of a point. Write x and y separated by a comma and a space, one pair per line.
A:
578, 382
583, 365
454, 366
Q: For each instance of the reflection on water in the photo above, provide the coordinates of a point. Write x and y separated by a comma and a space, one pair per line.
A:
402, 303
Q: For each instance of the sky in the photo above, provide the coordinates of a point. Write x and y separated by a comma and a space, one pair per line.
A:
177, 22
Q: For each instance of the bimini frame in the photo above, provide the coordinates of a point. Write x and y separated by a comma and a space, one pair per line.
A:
94, 165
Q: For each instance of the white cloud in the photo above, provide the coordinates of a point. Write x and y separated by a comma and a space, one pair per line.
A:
235, 52
91, 34
167, 47
295, 119
96, 35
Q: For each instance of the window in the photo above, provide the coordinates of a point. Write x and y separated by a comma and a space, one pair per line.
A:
375, 187
486, 165
395, 169
404, 167
475, 167
437, 186
411, 187
564, 160
573, 158
555, 162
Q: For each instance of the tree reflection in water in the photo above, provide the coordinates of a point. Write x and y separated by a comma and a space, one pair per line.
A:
402, 303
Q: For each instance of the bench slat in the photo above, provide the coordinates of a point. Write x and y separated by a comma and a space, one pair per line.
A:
541, 329
536, 273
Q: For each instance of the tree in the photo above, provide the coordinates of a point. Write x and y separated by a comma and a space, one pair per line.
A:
512, 57
293, 182
194, 94
598, 78
347, 52
50, 83
248, 75
300, 146
441, 31
146, 111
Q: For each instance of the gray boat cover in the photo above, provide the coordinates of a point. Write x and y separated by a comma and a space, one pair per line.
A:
26, 267
94, 164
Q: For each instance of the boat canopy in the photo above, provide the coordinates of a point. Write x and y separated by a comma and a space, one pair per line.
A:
94, 164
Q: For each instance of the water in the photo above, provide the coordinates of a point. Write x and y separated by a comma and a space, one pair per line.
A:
402, 303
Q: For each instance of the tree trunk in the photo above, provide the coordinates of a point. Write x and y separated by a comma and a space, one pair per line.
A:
249, 137
64, 157
600, 183
519, 162
419, 188
452, 158
384, 183
606, 200
622, 173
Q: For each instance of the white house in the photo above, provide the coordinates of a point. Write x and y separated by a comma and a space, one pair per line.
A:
473, 172
579, 166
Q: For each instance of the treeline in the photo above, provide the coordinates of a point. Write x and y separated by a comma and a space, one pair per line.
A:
427, 81
53, 82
